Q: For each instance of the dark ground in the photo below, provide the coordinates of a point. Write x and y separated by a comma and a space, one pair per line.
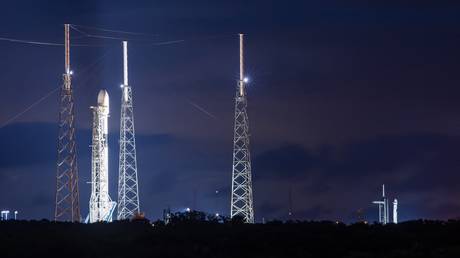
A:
184, 238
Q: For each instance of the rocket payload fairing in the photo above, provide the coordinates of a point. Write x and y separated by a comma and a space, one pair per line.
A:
101, 206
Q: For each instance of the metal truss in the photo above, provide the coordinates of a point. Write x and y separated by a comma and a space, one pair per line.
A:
241, 176
128, 190
67, 206
241, 200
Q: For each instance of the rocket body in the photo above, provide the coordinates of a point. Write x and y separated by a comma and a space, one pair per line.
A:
395, 211
101, 205
103, 113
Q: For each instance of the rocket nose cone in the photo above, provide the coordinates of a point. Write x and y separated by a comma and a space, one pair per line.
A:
103, 98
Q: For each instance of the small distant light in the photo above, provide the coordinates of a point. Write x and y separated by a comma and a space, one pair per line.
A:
217, 191
246, 80
217, 214
188, 209
121, 85
71, 72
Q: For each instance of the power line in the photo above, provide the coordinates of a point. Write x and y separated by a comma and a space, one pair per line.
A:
114, 31
204, 111
30, 107
90, 35
156, 42
30, 42
42, 43
48, 94
169, 42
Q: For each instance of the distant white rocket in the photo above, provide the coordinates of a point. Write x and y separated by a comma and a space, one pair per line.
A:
101, 206
395, 211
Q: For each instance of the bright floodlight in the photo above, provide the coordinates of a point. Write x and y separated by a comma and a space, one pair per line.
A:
188, 209
71, 72
246, 80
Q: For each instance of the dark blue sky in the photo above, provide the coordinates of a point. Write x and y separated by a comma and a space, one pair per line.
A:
343, 97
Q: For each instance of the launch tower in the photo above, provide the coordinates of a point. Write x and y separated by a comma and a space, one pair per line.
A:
67, 206
383, 208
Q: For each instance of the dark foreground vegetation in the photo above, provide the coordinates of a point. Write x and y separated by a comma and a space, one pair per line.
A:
198, 236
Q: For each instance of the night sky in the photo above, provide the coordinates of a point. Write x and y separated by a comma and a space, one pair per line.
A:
344, 96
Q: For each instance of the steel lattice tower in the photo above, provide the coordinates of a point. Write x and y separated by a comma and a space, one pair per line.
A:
128, 190
241, 203
67, 196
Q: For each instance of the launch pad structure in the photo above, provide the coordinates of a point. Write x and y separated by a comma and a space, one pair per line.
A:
384, 210
67, 205
101, 206
128, 188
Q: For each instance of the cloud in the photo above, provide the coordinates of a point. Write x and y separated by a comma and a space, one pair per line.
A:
27, 143
34, 143
382, 155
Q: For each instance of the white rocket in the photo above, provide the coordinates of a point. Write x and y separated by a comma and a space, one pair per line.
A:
101, 206
395, 211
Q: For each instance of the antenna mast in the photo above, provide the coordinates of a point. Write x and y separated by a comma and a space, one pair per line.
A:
241, 200
67, 206
125, 63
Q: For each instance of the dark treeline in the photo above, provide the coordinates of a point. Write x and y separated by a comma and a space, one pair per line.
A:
198, 235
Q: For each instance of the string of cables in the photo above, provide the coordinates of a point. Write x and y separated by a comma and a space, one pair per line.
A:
100, 33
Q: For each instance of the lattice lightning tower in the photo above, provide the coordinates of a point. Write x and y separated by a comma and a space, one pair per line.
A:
128, 190
67, 195
241, 201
